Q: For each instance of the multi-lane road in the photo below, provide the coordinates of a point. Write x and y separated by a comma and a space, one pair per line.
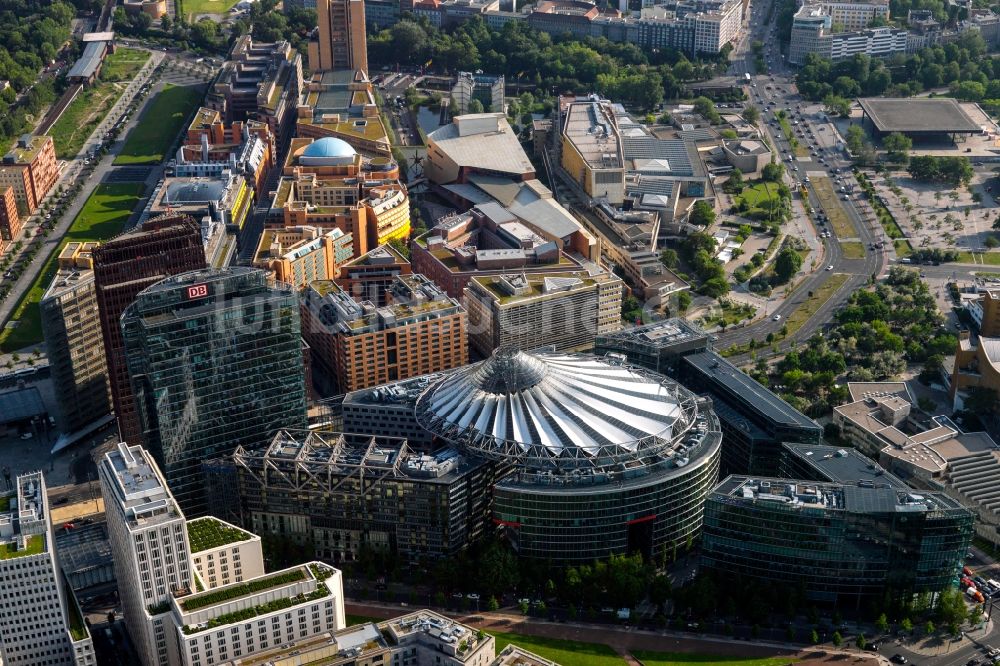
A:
775, 91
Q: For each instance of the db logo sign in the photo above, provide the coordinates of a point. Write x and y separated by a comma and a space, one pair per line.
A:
197, 291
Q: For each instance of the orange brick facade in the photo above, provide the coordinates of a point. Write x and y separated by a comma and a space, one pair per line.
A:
31, 170
370, 359
10, 222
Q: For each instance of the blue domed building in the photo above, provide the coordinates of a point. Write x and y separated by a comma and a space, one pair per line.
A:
328, 151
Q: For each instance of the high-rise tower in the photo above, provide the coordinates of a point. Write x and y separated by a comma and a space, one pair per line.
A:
215, 359
342, 42
40, 622
123, 267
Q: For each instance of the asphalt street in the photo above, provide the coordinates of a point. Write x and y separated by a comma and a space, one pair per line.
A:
776, 91
182, 73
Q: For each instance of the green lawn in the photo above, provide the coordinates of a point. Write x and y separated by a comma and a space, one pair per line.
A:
759, 197
81, 117
683, 658
88, 109
820, 296
102, 216
192, 8
841, 223
352, 620
987, 258
34, 546
208, 532
853, 250
569, 653
732, 313
159, 125
123, 64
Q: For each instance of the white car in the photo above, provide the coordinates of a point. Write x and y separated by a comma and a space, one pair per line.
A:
830, 267
776, 317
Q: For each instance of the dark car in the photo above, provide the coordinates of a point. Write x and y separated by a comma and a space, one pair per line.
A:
898, 659
873, 647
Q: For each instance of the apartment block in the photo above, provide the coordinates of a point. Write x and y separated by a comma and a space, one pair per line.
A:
487, 89
301, 255
123, 267
10, 220
341, 104
340, 494
162, 564
72, 330
327, 184
696, 27
422, 637
812, 32
490, 239
857, 15
562, 309
40, 620
223, 553
31, 169
211, 146
260, 81
419, 330
369, 276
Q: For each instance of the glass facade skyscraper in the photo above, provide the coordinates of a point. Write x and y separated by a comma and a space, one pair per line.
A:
215, 360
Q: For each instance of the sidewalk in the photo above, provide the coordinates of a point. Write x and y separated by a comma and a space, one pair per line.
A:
938, 645
73, 171
626, 640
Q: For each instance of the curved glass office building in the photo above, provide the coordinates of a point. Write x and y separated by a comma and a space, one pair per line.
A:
604, 458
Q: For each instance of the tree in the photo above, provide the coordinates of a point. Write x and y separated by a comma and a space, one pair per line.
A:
751, 114
492, 604
837, 639
705, 108
715, 287
855, 139
860, 642
475, 106
837, 105
772, 172
906, 625
499, 569
814, 637
734, 185
400, 246
897, 147
929, 628
882, 623
669, 258
702, 213
683, 301
787, 264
